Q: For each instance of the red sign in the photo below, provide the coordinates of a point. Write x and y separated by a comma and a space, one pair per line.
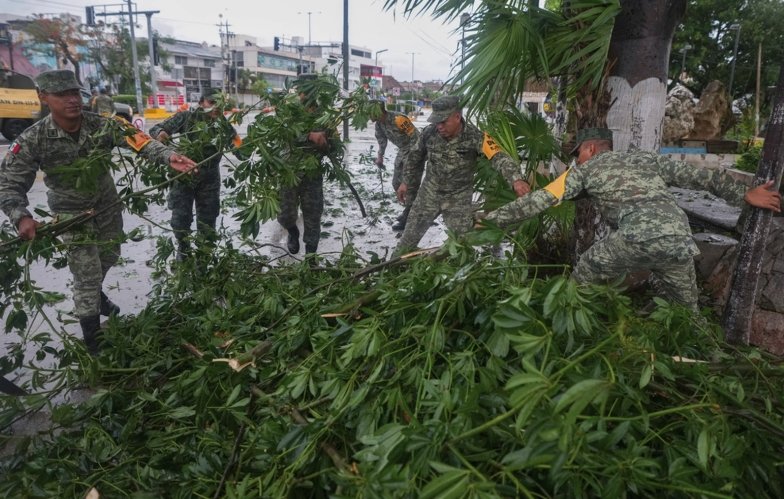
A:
367, 71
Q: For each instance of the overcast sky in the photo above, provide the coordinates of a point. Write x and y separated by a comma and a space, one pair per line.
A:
433, 43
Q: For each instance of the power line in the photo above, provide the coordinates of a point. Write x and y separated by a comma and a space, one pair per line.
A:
51, 2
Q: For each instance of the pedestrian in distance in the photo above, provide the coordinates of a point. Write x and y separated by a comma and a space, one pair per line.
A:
74, 151
206, 133
391, 126
103, 104
630, 189
451, 147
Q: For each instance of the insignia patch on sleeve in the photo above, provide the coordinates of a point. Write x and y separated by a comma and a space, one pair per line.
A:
404, 125
558, 186
14, 148
489, 147
138, 140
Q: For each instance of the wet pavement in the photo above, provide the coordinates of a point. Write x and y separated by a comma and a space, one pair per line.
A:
129, 282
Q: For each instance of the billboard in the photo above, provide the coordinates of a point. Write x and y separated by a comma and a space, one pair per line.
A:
373, 75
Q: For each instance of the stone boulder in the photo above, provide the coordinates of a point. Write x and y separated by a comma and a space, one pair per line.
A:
678, 115
768, 320
712, 113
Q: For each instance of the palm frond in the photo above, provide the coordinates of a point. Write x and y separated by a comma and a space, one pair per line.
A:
579, 45
505, 49
510, 42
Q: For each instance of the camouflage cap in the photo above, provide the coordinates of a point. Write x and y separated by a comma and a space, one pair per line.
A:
56, 81
591, 134
211, 93
443, 107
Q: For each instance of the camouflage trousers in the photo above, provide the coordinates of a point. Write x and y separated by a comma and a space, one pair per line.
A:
669, 258
203, 190
454, 206
93, 248
308, 195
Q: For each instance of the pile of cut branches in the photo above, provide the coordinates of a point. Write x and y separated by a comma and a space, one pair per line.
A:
453, 374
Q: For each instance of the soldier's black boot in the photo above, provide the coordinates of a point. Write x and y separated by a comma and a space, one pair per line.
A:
108, 307
293, 243
183, 250
90, 329
400, 224
310, 248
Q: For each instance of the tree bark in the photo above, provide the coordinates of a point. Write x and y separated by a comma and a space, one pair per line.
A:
739, 309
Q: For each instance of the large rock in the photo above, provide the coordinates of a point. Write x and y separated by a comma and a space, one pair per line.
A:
712, 248
712, 113
768, 320
767, 331
678, 115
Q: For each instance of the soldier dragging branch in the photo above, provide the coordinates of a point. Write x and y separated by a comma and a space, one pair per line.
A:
63, 145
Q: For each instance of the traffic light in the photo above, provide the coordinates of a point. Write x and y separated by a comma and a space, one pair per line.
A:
156, 56
276, 45
89, 14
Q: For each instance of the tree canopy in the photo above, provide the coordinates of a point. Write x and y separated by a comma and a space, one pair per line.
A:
707, 29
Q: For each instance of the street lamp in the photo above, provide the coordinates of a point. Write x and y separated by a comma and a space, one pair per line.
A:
736, 27
309, 13
379, 52
683, 51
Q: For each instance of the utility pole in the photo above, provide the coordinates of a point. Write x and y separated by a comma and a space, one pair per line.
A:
309, 13
224, 33
413, 90
134, 55
346, 54
153, 83
137, 82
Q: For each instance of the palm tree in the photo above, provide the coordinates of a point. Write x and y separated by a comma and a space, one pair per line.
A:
612, 55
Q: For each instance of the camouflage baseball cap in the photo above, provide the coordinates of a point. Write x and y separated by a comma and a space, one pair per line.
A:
56, 81
443, 107
211, 94
591, 134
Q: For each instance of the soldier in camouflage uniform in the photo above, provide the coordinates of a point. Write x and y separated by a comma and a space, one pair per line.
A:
74, 151
397, 128
207, 132
308, 193
630, 189
451, 147
102, 104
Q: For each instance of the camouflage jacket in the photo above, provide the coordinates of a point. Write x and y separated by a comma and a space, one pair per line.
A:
217, 134
398, 129
65, 161
630, 190
451, 164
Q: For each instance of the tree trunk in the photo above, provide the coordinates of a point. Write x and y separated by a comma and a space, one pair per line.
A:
741, 303
636, 90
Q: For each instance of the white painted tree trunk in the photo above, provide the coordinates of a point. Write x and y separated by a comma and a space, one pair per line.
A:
636, 114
